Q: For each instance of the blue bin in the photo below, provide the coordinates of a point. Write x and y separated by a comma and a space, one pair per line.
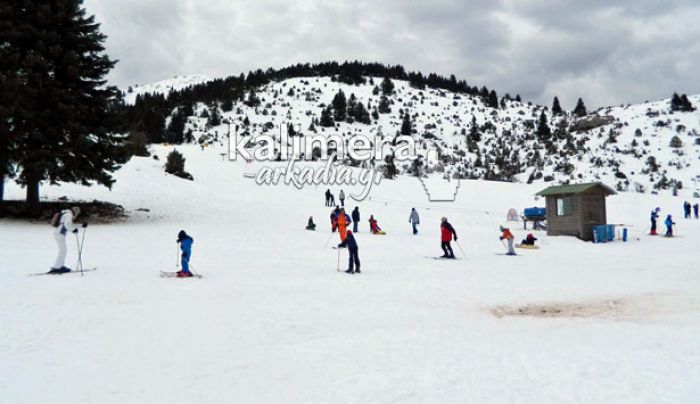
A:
600, 233
610, 232
535, 212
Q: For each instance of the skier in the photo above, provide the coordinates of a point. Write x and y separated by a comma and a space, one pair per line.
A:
63, 223
355, 218
669, 226
653, 217
343, 221
341, 196
686, 209
354, 259
414, 219
506, 234
311, 225
529, 240
328, 197
447, 232
186, 247
332, 201
695, 210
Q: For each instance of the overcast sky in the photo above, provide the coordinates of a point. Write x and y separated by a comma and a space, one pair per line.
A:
608, 52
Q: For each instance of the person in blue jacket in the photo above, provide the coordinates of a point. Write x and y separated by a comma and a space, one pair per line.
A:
669, 226
354, 258
355, 218
654, 216
186, 248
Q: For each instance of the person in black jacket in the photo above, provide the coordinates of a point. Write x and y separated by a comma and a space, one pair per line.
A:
354, 258
355, 218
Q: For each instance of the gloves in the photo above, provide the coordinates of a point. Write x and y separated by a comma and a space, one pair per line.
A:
84, 225
455, 238
75, 231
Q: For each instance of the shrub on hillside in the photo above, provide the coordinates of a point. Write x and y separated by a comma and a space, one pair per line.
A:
175, 165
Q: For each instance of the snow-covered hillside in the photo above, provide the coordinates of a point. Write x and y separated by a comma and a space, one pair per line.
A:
163, 86
612, 145
272, 321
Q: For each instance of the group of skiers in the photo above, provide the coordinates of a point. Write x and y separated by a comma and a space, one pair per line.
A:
687, 207
654, 216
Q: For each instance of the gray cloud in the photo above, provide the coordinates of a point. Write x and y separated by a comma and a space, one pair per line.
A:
606, 53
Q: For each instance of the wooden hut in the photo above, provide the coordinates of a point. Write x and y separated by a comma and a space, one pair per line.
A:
573, 210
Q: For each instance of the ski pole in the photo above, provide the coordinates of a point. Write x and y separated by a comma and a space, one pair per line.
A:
337, 269
177, 255
460, 249
504, 245
80, 252
77, 245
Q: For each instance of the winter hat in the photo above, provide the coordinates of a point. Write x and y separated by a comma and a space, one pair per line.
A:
75, 210
444, 219
501, 227
349, 232
657, 209
181, 235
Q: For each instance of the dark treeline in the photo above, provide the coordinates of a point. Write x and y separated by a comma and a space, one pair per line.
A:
150, 110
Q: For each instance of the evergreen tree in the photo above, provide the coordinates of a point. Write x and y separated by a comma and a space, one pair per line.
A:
227, 105
406, 125
580, 109
384, 107
327, 118
544, 133
474, 136
340, 106
681, 103
492, 100
387, 87
214, 118
556, 108
176, 129
63, 115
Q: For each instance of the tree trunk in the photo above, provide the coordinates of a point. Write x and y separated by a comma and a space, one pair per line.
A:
32, 200
2, 187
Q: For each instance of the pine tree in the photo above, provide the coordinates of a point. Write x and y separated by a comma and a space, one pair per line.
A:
556, 108
544, 133
52, 57
340, 106
384, 107
214, 118
327, 117
406, 126
474, 136
492, 100
387, 87
580, 109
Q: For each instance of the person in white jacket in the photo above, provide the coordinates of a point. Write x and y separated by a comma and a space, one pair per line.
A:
414, 219
66, 224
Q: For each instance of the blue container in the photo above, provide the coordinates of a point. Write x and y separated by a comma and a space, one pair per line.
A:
600, 233
610, 232
535, 212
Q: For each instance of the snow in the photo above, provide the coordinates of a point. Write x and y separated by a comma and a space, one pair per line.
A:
164, 86
272, 320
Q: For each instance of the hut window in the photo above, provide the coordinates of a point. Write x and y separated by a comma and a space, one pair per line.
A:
564, 206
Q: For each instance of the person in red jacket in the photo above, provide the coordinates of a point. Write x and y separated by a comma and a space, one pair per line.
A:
507, 235
447, 232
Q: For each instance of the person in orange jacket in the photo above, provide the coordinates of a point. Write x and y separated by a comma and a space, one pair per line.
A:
507, 235
343, 221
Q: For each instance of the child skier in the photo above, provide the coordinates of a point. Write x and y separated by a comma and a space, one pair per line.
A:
334, 221
654, 215
446, 234
311, 225
63, 223
507, 235
186, 247
414, 219
354, 259
669, 226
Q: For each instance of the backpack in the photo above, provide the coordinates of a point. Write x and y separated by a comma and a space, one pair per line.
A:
56, 219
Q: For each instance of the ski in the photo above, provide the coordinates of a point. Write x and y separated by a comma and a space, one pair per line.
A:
164, 274
444, 258
64, 273
508, 255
